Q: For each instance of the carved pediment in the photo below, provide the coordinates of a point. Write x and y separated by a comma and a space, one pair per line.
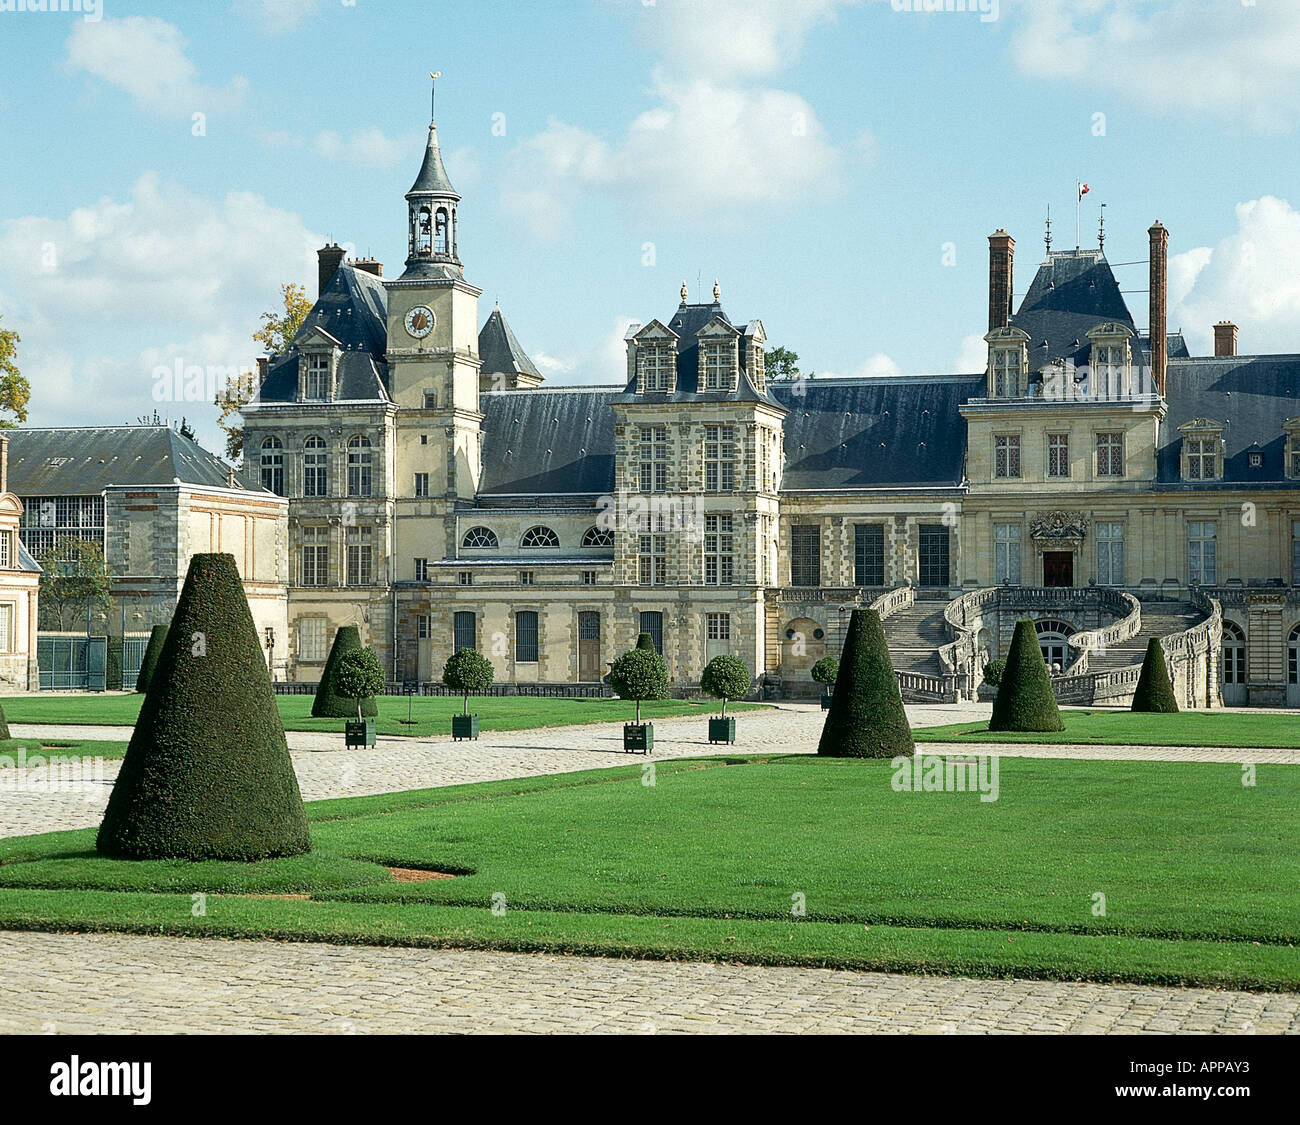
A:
1059, 527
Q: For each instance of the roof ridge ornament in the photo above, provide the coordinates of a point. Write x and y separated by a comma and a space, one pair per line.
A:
684, 293
717, 291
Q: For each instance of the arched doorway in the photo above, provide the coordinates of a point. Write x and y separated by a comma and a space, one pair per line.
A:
1234, 666
1292, 667
1053, 640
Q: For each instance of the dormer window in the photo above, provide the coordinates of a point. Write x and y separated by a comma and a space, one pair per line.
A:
1111, 361
1292, 429
658, 365
318, 360
317, 378
718, 361
1202, 455
1008, 363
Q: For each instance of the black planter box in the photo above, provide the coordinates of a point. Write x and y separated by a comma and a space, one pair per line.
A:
722, 730
464, 726
826, 701
359, 733
638, 737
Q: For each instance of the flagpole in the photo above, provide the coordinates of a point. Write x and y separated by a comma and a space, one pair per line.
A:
1078, 199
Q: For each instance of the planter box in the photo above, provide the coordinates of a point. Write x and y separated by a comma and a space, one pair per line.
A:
359, 733
638, 738
722, 730
464, 726
826, 701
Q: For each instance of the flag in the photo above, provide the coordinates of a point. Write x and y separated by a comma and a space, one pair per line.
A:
1083, 189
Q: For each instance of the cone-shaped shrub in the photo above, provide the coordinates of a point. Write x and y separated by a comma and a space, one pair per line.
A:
157, 638
330, 703
4, 724
1025, 700
207, 774
646, 641
1155, 690
866, 717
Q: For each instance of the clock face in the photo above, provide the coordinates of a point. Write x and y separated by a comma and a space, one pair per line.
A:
419, 321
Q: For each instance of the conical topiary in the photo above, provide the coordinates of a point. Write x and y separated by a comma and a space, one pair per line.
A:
1025, 700
645, 640
4, 724
207, 774
866, 717
157, 638
1155, 690
329, 702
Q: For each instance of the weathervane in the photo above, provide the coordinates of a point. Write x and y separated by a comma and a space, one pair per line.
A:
1048, 237
434, 75
1101, 228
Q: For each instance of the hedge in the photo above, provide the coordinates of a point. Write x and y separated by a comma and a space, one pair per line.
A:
866, 718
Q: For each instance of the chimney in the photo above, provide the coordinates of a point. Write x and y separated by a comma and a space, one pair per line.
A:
4, 464
1159, 297
370, 265
1002, 252
262, 361
328, 258
1225, 338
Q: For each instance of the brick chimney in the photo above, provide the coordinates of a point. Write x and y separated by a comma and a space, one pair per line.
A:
1002, 252
4, 464
262, 362
1225, 338
1158, 292
328, 259
370, 265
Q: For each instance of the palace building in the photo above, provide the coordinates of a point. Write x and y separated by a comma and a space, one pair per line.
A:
1095, 477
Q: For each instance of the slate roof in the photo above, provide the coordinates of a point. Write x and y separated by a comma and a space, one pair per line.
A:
74, 461
500, 350
548, 441
433, 176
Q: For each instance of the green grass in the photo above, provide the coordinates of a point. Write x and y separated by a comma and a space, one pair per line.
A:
1126, 728
39, 751
432, 713
1201, 875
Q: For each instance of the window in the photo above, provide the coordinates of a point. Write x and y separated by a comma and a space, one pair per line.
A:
719, 546
588, 577
1292, 657
1110, 455
719, 458
315, 556
868, 554
311, 639
1110, 364
1110, 554
526, 637
46, 519
1006, 373
315, 467
1202, 453
1006, 456
1053, 642
658, 362
527, 577
652, 622
421, 484
717, 632
317, 377
359, 461
6, 549
1295, 553
933, 555
652, 557
1255, 460
1234, 654
719, 366
539, 537
598, 537
480, 537
1006, 554
464, 630
7, 627
360, 570
805, 555
654, 458
424, 439
465, 578
423, 626
1200, 553
422, 570
430, 403
273, 465
1058, 455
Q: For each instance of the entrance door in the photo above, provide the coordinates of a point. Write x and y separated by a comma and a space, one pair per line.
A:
1058, 568
589, 647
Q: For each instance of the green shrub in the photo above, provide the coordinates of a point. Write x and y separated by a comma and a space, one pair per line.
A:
4, 725
646, 641
359, 675
468, 670
1155, 690
157, 638
1025, 701
826, 670
726, 677
639, 675
207, 773
330, 703
866, 717
994, 670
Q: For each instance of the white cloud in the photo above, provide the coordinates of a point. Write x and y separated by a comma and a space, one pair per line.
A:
145, 57
871, 367
274, 17
972, 356
603, 361
370, 148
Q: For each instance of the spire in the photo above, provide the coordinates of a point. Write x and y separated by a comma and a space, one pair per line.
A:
431, 213
433, 176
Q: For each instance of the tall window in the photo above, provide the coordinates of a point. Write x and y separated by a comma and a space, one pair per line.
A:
1006, 373
359, 462
805, 555
526, 637
315, 556
717, 631
273, 465
1109, 366
311, 639
315, 467
933, 554
1006, 553
868, 554
652, 622
316, 380
719, 367
1006, 456
654, 459
6, 549
1234, 655
1110, 455
657, 363
1058, 455
652, 557
1202, 453
422, 570
1200, 553
464, 630
1110, 554
1295, 553
719, 545
421, 484
719, 458
7, 627
360, 562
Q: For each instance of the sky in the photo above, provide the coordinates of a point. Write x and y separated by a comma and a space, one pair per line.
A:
837, 165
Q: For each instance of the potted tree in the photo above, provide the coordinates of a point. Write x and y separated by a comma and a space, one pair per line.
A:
639, 674
359, 675
467, 670
824, 672
725, 677
994, 670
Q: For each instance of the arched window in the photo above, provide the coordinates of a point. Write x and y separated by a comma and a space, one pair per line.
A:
423, 231
539, 537
359, 461
1052, 639
440, 242
598, 537
1234, 653
272, 464
315, 467
480, 537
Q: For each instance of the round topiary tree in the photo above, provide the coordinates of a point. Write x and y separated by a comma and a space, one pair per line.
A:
866, 717
639, 675
149, 662
468, 670
1025, 700
330, 703
726, 677
994, 670
826, 670
207, 774
359, 675
1155, 690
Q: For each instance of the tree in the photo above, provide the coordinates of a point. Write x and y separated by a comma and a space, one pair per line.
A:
994, 670
726, 677
468, 670
207, 774
4, 725
1025, 700
149, 662
359, 676
15, 391
1155, 690
781, 364
330, 702
826, 670
647, 642
866, 717
639, 675
74, 580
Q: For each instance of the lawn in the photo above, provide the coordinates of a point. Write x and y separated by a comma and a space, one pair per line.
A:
36, 752
432, 713
1200, 874
1125, 728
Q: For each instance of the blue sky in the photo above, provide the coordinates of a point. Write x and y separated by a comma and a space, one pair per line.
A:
837, 165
